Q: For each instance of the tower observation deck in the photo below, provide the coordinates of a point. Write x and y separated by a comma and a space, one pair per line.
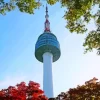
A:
47, 50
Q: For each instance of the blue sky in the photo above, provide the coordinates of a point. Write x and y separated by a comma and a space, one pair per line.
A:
18, 35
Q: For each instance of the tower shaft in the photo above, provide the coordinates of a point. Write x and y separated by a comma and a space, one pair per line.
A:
47, 50
47, 74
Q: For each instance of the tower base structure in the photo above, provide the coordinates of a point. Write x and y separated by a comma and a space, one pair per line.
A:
47, 75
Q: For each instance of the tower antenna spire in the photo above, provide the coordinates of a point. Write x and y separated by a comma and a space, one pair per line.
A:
47, 23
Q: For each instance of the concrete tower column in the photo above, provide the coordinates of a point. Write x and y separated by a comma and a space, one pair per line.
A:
47, 74
47, 50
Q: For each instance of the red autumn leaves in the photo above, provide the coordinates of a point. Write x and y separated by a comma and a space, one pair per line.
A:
23, 92
89, 91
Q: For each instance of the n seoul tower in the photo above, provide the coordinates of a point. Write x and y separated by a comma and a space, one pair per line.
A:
47, 50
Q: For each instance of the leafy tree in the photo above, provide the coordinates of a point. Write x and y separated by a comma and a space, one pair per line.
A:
23, 92
89, 91
77, 15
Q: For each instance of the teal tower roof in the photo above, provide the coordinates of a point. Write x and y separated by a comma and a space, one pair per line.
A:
47, 42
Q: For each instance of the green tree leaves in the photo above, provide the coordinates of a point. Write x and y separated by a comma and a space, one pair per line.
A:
6, 6
52, 2
78, 14
92, 41
27, 6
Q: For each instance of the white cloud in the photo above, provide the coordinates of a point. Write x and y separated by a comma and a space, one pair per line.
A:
11, 81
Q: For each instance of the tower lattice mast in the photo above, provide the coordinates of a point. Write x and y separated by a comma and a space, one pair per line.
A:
47, 23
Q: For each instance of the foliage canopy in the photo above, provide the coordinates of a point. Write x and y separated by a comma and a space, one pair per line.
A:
89, 91
78, 14
23, 92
